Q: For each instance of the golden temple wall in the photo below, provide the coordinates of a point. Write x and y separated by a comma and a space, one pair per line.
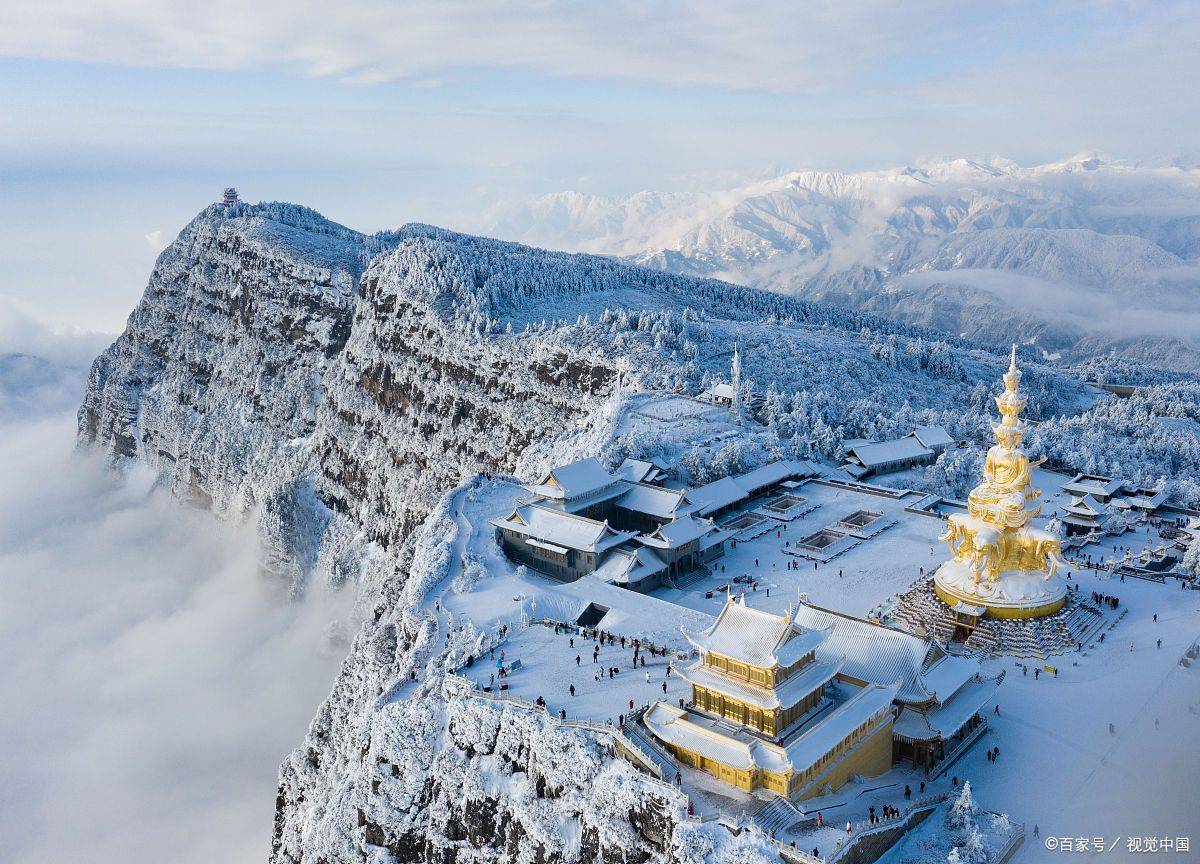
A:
870, 757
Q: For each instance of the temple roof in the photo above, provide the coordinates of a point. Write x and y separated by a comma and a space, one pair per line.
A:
890, 452
756, 637
948, 718
932, 436
573, 480
655, 501
879, 654
562, 529
675, 534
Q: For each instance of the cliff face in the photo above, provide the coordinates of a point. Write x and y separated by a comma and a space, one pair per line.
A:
335, 387
216, 380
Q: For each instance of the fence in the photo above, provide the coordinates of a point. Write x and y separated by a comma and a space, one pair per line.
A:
1010, 847
866, 828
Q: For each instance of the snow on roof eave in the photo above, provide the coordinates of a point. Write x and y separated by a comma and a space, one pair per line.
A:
807, 640
670, 724
888, 452
787, 694
785, 625
950, 715
932, 436
805, 751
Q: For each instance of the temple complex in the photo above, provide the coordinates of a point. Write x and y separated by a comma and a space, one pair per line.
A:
1002, 566
766, 713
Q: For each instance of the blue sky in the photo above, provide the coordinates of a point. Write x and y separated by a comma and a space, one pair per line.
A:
122, 118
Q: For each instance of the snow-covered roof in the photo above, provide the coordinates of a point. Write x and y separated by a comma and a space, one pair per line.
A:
881, 655
573, 480
562, 529
947, 675
949, 717
675, 534
772, 472
757, 637
712, 538
653, 500
615, 567
1147, 499
730, 490
625, 566
717, 494
639, 471
890, 452
1090, 484
1085, 505
786, 695
671, 724
932, 436
720, 390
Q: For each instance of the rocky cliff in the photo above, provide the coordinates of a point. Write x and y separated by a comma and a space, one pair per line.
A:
337, 387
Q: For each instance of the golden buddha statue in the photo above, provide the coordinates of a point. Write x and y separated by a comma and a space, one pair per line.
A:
995, 550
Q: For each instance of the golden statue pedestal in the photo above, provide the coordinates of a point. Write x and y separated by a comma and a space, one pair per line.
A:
1014, 594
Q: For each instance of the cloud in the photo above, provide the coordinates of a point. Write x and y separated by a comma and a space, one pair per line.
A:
774, 46
155, 240
153, 681
41, 370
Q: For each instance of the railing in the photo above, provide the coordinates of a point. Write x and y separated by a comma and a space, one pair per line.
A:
791, 853
1010, 847
947, 761
865, 828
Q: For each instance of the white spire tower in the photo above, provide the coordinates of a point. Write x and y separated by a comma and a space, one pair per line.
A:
736, 404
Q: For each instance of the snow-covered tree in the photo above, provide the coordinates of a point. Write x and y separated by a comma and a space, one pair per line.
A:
1191, 560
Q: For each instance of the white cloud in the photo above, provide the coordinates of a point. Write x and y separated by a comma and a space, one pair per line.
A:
152, 679
155, 240
779, 45
775, 46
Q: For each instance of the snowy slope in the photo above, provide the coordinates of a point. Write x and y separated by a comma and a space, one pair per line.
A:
336, 388
1097, 236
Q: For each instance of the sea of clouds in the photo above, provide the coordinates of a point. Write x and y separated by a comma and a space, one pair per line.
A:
152, 680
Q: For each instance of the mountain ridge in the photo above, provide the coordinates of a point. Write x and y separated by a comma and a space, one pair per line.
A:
1097, 229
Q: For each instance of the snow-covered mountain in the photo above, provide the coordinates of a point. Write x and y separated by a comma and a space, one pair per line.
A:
336, 388
1094, 256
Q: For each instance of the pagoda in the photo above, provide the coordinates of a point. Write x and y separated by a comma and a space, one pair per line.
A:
1002, 566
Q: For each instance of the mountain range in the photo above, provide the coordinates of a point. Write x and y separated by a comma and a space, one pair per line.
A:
1082, 258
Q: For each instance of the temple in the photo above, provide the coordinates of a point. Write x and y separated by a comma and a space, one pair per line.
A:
766, 713
1002, 566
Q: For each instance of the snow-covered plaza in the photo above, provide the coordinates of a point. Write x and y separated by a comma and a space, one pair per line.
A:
1067, 743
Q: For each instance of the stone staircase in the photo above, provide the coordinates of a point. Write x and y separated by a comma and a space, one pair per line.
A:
776, 816
919, 611
640, 737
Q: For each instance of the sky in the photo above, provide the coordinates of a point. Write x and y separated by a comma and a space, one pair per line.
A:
122, 118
